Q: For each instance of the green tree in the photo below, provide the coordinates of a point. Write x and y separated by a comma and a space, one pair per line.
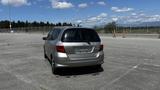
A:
110, 27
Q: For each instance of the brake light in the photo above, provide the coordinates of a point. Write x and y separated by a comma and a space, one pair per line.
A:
101, 48
60, 49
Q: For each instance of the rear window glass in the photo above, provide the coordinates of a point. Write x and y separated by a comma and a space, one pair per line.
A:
80, 35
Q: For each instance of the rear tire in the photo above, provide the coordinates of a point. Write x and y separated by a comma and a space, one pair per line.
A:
98, 66
54, 69
45, 56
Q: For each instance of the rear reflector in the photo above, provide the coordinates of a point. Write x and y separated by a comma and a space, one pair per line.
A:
101, 48
60, 49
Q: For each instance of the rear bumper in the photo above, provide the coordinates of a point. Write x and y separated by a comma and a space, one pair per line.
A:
79, 63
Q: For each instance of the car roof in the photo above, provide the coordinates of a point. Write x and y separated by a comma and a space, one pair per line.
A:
70, 27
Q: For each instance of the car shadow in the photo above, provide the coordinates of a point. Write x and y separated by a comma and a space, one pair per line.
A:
94, 70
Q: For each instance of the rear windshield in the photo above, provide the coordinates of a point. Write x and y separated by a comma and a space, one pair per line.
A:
80, 35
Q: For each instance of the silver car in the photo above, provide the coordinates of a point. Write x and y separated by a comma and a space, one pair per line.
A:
73, 47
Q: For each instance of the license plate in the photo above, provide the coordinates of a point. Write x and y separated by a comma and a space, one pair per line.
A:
79, 51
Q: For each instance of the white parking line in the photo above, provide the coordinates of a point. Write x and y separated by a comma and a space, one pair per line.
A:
156, 65
25, 79
22, 78
117, 79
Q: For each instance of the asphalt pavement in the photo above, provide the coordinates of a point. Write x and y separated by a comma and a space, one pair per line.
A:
129, 64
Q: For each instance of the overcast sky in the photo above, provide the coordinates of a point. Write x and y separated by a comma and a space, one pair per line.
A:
86, 12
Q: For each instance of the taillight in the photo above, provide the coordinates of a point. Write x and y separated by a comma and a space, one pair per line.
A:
60, 49
101, 48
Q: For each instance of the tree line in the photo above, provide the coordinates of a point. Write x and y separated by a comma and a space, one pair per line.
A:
15, 24
113, 27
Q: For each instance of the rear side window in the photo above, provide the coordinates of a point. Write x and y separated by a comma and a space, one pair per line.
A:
80, 35
55, 34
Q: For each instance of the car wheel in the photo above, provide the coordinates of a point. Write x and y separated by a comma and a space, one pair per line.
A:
98, 66
54, 69
45, 56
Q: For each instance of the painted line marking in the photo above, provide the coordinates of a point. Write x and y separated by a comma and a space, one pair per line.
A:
117, 79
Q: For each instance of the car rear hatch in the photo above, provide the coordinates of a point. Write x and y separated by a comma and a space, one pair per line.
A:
81, 44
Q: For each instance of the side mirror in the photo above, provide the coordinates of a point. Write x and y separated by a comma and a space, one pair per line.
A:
44, 38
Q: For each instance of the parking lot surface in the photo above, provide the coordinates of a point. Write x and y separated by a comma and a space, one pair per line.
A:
129, 64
